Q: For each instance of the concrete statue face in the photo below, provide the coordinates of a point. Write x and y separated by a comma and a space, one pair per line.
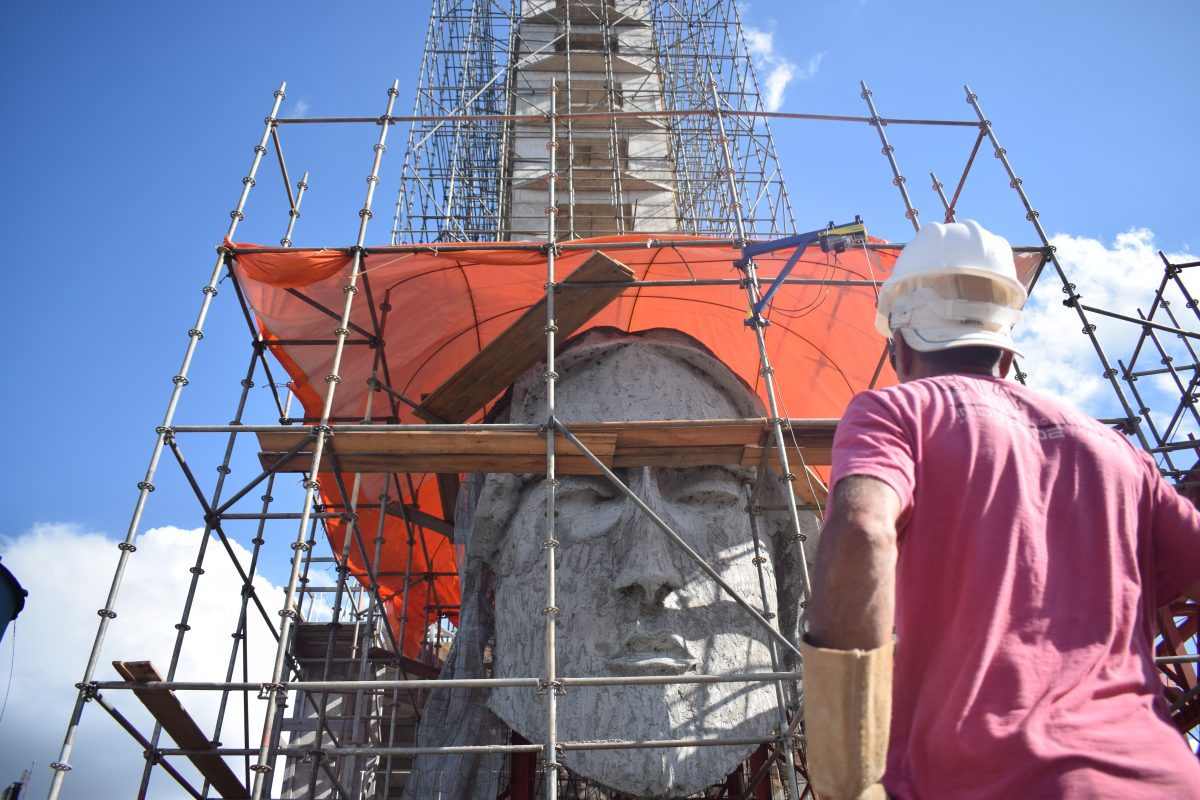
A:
631, 602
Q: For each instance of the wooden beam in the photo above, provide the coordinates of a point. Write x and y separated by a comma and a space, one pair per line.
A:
675, 443
441, 452
448, 485
433, 442
421, 518
179, 725
441, 464
522, 345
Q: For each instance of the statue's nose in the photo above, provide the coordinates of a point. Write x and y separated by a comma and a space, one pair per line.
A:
649, 568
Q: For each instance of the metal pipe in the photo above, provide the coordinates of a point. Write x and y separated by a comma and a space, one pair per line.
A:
551, 686
476, 247
1068, 288
152, 754
294, 211
1144, 323
962, 179
198, 567
765, 369
937, 187
898, 180
713, 282
452, 683
1190, 658
797, 422
62, 764
538, 119
646, 744
780, 698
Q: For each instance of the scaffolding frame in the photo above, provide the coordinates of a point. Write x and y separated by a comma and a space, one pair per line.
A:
479, 68
364, 749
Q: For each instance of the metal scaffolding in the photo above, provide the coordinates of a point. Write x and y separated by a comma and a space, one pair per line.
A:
633, 123
677, 147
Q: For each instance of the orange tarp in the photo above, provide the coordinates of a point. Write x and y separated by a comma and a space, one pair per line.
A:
436, 310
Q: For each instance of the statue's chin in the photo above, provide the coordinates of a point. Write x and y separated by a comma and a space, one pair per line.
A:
642, 714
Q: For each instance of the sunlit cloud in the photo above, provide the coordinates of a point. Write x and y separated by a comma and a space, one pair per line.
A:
67, 572
779, 70
1120, 276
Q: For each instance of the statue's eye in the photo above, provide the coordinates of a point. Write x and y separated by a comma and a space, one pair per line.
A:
707, 485
722, 492
578, 488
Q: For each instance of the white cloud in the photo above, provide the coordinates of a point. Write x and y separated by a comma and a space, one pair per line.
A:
300, 109
67, 572
780, 71
1119, 277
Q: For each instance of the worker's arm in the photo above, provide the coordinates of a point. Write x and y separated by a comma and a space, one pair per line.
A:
847, 653
854, 583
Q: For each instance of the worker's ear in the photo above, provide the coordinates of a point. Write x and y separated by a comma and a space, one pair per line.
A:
902, 357
1006, 362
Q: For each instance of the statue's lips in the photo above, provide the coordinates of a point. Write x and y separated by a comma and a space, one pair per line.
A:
652, 654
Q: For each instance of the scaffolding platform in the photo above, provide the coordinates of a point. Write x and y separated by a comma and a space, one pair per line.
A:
683, 443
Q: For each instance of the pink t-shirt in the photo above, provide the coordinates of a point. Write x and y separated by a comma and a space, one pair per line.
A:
1035, 545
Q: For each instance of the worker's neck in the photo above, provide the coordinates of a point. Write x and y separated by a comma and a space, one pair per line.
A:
910, 365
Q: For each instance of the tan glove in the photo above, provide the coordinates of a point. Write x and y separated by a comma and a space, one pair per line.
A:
847, 715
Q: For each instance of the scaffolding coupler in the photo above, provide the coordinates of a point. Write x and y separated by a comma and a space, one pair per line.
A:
832, 238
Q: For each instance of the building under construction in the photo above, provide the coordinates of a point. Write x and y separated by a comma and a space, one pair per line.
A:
570, 167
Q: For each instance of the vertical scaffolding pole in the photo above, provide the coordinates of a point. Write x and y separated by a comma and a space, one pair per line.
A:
1068, 288
294, 211
551, 686
62, 764
766, 370
275, 693
899, 180
768, 373
780, 698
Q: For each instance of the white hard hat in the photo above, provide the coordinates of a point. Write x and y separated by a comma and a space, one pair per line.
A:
954, 285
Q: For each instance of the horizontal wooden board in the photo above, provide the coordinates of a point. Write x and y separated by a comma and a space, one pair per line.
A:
704, 456
439, 463
435, 442
679, 443
675, 433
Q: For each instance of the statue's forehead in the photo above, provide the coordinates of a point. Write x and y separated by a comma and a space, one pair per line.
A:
635, 381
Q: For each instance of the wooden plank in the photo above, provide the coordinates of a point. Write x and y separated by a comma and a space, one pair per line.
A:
809, 434
715, 455
682, 433
435, 442
445, 463
179, 725
421, 518
447, 483
522, 345
659, 443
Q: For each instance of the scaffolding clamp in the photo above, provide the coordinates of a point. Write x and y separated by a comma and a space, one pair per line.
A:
832, 238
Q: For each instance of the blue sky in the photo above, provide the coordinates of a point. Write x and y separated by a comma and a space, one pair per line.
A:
130, 126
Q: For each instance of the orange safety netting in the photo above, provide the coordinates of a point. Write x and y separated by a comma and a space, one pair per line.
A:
435, 310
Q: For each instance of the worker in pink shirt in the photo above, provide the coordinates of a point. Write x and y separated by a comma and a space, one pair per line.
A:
1018, 547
